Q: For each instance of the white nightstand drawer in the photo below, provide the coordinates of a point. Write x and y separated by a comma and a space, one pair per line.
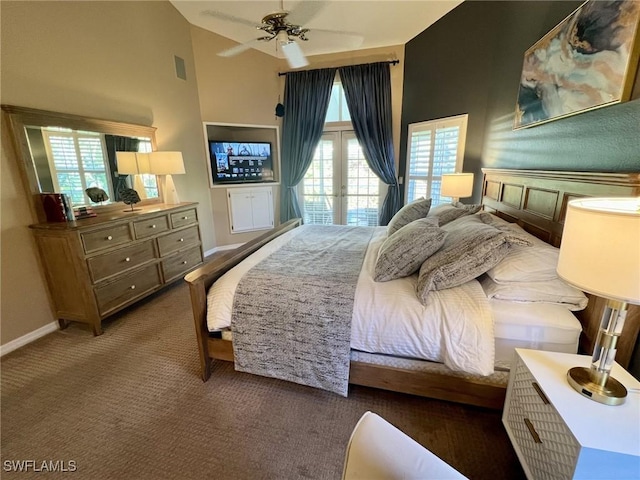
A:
537, 428
559, 434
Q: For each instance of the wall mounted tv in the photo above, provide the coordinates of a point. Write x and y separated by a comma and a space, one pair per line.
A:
241, 162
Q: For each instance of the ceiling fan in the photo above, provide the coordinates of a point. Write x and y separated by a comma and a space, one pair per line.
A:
279, 26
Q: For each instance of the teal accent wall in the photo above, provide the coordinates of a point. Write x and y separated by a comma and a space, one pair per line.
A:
470, 61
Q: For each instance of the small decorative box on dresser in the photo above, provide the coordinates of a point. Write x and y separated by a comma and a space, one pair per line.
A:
557, 433
97, 266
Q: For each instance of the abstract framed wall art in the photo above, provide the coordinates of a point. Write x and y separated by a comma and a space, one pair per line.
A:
587, 61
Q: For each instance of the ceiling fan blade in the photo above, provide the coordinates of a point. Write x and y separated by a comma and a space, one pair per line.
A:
293, 54
230, 18
304, 11
230, 52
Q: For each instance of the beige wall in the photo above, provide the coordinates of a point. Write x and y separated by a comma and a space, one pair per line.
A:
115, 60
245, 89
112, 60
239, 90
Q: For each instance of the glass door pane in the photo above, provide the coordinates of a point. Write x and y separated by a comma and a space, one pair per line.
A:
318, 189
360, 186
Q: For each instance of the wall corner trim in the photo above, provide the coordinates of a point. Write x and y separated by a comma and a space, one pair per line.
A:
28, 338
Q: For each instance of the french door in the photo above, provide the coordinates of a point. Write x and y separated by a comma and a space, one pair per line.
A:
339, 187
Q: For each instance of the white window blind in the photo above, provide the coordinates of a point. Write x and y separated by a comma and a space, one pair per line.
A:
434, 147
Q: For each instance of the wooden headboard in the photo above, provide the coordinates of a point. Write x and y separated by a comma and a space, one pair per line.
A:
537, 201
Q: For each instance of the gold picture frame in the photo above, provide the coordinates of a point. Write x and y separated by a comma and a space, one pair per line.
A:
588, 61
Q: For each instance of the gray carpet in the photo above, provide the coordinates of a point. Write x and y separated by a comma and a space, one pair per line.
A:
130, 405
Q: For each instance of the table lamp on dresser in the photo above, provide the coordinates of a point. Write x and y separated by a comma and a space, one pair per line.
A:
167, 164
135, 164
600, 254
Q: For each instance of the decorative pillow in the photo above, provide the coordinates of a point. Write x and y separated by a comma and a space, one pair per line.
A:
555, 291
536, 263
471, 208
407, 214
402, 253
446, 213
472, 247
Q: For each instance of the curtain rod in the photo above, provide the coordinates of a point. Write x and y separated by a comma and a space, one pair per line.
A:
391, 62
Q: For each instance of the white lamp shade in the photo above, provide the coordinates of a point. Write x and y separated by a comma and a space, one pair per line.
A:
600, 250
458, 185
132, 163
166, 163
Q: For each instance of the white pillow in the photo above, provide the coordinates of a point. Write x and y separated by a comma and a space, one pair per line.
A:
536, 263
551, 291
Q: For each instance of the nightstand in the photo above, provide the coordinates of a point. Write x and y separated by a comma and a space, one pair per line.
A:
558, 433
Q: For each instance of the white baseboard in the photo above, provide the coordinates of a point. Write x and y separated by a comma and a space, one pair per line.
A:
28, 338
223, 247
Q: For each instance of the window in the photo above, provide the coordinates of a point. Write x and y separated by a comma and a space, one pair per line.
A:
77, 161
433, 148
337, 110
339, 187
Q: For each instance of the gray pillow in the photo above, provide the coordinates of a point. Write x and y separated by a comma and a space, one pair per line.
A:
402, 253
407, 214
447, 212
471, 208
472, 247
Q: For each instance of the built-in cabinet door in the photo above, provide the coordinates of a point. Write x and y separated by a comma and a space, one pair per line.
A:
262, 208
250, 209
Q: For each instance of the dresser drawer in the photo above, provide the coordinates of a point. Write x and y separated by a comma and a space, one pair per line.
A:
178, 240
151, 226
541, 434
180, 263
182, 219
105, 238
108, 264
127, 288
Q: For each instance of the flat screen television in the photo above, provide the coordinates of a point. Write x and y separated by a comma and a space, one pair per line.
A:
241, 162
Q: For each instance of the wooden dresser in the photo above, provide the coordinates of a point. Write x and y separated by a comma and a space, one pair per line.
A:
97, 266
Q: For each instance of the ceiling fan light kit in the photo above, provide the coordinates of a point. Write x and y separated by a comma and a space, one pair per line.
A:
276, 26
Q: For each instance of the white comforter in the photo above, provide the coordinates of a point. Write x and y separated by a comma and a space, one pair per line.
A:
455, 328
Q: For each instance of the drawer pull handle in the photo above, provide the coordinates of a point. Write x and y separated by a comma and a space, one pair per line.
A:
539, 391
109, 237
132, 287
153, 226
184, 262
182, 239
185, 218
127, 259
532, 431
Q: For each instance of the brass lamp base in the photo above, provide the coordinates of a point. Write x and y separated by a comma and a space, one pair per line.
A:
611, 393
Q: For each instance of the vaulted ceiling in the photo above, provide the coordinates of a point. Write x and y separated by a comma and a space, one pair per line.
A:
362, 23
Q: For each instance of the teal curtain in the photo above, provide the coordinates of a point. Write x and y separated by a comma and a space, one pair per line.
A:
367, 89
115, 144
306, 99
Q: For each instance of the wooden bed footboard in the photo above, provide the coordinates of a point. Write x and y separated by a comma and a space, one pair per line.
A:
202, 278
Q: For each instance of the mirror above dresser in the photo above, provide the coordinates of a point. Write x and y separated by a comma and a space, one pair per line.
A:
65, 153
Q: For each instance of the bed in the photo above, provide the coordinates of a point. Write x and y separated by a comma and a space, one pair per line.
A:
534, 200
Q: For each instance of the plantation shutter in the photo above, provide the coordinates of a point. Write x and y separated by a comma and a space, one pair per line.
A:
77, 161
434, 148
